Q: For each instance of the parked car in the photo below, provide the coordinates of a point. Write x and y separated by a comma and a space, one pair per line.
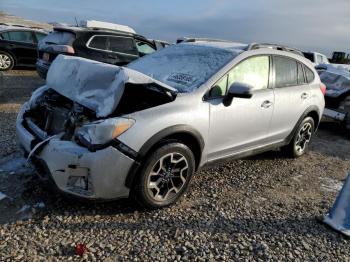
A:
337, 80
316, 58
18, 45
340, 58
104, 42
105, 132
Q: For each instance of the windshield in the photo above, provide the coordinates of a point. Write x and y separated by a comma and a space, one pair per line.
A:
185, 66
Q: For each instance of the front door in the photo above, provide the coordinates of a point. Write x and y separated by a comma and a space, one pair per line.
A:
244, 124
23, 45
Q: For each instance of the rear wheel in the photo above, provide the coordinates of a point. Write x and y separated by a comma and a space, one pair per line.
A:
299, 145
6, 61
165, 176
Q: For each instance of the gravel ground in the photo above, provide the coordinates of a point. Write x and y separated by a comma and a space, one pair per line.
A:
260, 208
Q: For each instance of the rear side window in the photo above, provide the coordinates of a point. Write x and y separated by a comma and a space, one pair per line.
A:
122, 45
59, 38
21, 36
99, 42
310, 76
286, 70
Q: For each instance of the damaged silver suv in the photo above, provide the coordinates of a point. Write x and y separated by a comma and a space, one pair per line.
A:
106, 132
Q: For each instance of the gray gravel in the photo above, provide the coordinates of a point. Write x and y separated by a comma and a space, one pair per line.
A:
261, 208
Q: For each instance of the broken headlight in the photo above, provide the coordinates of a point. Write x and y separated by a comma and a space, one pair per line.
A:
99, 133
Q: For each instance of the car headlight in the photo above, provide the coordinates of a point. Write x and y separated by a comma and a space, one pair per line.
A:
102, 132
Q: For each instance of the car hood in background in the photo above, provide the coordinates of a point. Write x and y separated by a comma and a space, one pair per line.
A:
95, 85
336, 78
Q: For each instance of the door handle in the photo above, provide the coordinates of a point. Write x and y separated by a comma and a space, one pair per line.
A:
304, 96
266, 104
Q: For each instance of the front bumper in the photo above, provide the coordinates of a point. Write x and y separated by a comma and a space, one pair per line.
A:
77, 171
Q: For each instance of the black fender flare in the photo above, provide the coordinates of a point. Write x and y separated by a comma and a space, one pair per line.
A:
306, 112
154, 140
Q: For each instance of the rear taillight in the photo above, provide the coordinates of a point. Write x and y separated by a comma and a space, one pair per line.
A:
63, 49
323, 88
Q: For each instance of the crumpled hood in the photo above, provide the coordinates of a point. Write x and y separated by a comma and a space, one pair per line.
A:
337, 79
97, 86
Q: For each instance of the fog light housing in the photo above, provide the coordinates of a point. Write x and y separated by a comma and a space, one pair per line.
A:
80, 184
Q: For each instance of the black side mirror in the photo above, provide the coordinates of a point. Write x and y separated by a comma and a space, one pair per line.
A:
239, 90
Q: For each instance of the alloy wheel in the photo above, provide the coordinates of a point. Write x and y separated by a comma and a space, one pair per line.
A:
5, 61
303, 138
167, 177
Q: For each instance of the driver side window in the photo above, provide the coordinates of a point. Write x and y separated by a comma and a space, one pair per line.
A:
253, 71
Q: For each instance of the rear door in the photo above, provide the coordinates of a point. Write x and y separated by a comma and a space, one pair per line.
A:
123, 49
292, 95
23, 45
115, 50
245, 123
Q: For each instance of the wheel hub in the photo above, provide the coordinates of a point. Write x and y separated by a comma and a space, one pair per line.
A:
168, 176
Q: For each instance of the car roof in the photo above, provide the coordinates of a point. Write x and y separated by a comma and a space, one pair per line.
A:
8, 27
236, 46
78, 29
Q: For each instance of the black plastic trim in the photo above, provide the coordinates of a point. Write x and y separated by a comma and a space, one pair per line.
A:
173, 130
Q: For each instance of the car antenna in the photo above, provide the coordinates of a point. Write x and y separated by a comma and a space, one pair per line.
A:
76, 20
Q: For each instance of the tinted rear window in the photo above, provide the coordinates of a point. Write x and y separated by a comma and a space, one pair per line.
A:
59, 38
122, 45
99, 42
286, 71
21, 36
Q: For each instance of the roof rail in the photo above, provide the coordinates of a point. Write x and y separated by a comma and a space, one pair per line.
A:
196, 39
93, 24
254, 46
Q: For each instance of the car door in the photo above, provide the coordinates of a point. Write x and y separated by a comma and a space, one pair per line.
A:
244, 124
292, 95
23, 45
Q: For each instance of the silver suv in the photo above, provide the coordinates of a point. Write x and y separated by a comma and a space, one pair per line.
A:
105, 132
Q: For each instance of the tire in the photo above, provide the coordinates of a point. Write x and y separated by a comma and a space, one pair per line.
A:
6, 61
164, 176
299, 144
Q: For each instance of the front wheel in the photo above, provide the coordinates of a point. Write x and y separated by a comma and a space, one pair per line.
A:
301, 139
164, 176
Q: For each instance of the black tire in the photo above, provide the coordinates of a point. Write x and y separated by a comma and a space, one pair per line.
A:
157, 197
296, 148
6, 61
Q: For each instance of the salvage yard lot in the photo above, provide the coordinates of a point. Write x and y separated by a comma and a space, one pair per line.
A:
263, 207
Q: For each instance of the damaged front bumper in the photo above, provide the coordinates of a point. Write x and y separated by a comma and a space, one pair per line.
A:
74, 169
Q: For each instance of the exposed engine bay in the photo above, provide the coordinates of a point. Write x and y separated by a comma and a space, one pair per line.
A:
53, 113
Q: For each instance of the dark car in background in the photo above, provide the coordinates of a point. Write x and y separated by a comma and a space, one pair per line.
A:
100, 41
18, 45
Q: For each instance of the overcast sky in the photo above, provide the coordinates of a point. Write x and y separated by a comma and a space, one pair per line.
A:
319, 25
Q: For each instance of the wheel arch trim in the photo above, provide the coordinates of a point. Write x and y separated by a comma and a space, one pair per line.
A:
156, 139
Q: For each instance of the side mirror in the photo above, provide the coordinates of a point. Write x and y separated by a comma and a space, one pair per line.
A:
239, 90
